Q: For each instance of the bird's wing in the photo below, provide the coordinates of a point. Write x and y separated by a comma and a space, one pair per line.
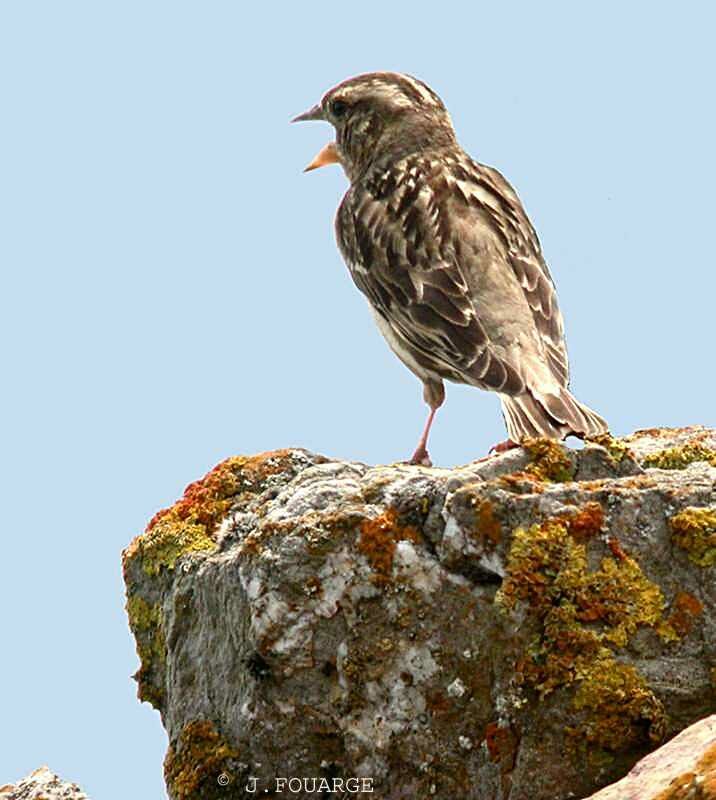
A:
392, 240
524, 253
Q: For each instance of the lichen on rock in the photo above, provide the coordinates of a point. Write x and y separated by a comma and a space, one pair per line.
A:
683, 769
551, 461
680, 457
201, 764
188, 525
145, 622
509, 628
694, 530
583, 613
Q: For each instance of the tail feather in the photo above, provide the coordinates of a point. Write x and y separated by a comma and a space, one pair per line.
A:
551, 415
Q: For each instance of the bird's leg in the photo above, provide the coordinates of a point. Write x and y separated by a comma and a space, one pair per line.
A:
421, 455
434, 394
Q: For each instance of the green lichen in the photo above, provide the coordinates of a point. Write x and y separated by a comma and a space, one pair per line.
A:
584, 614
550, 461
145, 621
201, 764
694, 530
681, 457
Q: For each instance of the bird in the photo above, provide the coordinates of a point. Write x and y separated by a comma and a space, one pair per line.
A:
444, 252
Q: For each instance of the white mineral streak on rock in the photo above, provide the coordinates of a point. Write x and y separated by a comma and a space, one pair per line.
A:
268, 611
396, 706
335, 576
422, 573
318, 489
453, 536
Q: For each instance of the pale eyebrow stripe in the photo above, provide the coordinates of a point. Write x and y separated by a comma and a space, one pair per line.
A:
427, 94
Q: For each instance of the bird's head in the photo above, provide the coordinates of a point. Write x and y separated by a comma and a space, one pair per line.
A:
377, 116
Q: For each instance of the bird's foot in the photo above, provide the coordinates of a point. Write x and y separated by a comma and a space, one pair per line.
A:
503, 447
421, 457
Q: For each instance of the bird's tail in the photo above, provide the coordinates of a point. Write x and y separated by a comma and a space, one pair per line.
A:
552, 415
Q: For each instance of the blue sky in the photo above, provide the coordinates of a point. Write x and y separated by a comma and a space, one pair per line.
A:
172, 293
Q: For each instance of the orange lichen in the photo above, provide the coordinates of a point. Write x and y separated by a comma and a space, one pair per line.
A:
487, 526
658, 433
583, 614
192, 767
698, 783
378, 540
586, 522
189, 525
521, 483
206, 501
685, 610
616, 549
501, 742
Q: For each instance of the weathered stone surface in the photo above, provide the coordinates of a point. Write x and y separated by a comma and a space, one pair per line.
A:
42, 785
683, 769
527, 626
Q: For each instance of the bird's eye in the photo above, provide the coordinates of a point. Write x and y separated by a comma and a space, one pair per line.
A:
338, 108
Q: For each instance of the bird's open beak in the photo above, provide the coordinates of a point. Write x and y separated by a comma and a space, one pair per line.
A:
329, 154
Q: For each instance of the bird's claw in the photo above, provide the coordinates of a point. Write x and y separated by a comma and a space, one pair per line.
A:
421, 458
503, 447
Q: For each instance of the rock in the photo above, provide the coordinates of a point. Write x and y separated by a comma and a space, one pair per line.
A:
42, 784
683, 769
526, 626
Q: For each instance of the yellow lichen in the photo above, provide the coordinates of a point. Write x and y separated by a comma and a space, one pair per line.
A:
616, 448
584, 614
145, 621
680, 457
547, 567
694, 530
188, 526
619, 706
550, 460
192, 767
160, 547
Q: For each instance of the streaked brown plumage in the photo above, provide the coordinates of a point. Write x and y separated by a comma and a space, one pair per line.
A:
443, 250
